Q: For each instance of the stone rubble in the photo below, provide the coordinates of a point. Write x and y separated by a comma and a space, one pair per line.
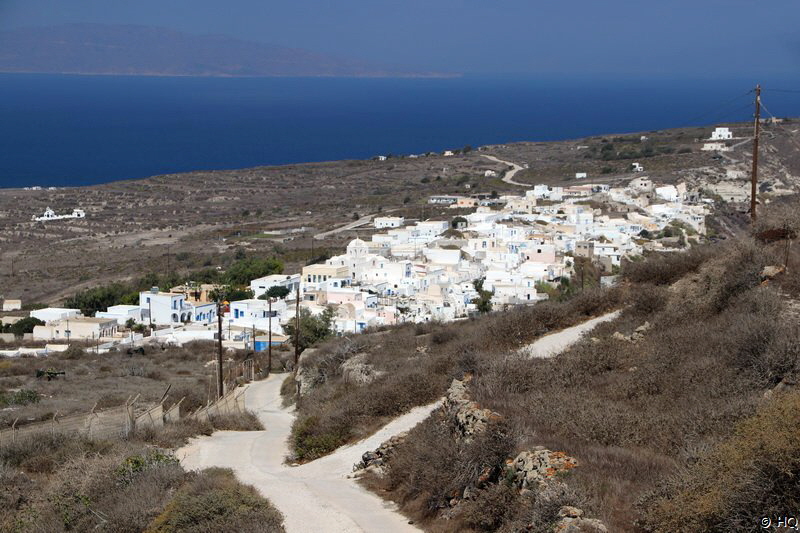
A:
376, 460
636, 336
357, 371
533, 469
572, 521
469, 418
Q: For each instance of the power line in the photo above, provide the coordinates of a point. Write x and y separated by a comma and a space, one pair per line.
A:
782, 90
717, 110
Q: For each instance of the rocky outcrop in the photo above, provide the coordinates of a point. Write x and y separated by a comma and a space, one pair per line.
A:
571, 520
533, 469
468, 417
636, 336
307, 377
375, 460
357, 371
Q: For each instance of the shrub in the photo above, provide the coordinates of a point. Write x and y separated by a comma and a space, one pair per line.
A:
751, 475
666, 268
214, 501
20, 397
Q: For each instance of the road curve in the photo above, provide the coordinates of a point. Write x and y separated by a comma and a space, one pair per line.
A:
508, 176
314, 497
555, 343
320, 496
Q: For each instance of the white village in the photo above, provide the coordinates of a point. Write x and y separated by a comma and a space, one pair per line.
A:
504, 250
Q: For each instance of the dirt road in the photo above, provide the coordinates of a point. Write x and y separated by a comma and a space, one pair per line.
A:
554, 343
314, 497
508, 177
319, 496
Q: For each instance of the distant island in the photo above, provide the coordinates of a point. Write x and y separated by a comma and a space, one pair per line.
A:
103, 49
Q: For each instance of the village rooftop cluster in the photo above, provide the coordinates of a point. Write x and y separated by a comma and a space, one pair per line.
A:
509, 250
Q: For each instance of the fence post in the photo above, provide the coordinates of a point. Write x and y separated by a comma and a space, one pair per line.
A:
14, 430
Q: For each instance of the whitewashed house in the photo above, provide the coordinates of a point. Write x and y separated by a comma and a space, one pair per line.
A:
54, 314
122, 313
388, 222
721, 134
166, 308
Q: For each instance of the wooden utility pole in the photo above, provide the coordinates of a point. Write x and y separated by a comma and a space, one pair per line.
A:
754, 177
219, 350
269, 340
296, 328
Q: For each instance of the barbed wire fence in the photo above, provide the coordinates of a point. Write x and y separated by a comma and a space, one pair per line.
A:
123, 420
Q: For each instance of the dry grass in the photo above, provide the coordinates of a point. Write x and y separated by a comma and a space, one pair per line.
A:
413, 365
109, 380
66, 483
632, 413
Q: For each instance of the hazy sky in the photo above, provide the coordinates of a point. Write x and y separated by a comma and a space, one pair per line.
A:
725, 38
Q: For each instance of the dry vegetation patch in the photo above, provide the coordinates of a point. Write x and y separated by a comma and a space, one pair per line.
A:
637, 402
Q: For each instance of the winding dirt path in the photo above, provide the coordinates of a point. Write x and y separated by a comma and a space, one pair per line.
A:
555, 343
508, 177
321, 496
315, 497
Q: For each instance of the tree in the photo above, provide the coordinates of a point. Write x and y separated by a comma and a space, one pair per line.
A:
242, 272
313, 328
25, 325
276, 291
230, 294
484, 300
458, 221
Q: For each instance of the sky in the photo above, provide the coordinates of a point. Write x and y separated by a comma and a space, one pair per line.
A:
667, 38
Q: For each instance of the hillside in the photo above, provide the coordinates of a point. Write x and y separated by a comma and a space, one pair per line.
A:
678, 415
142, 50
181, 223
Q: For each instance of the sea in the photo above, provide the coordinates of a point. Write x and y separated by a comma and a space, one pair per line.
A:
71, 130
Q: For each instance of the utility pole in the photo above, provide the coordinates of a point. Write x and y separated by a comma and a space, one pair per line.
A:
296, 328
754, 178
219, 350
269, 340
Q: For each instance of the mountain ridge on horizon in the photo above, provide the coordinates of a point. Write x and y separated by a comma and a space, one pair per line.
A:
104, 49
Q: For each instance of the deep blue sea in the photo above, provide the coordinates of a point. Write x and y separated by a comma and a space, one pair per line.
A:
58, 130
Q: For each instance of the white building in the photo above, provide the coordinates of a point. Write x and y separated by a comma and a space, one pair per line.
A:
256, 313
668, 193
165, 308
716, 147
12, 305
53, 314
721, 134
580, 175
388, 222
49, 214
122, 313
77, 328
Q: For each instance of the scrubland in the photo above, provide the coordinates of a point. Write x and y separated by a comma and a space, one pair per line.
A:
66, 482
681, 413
